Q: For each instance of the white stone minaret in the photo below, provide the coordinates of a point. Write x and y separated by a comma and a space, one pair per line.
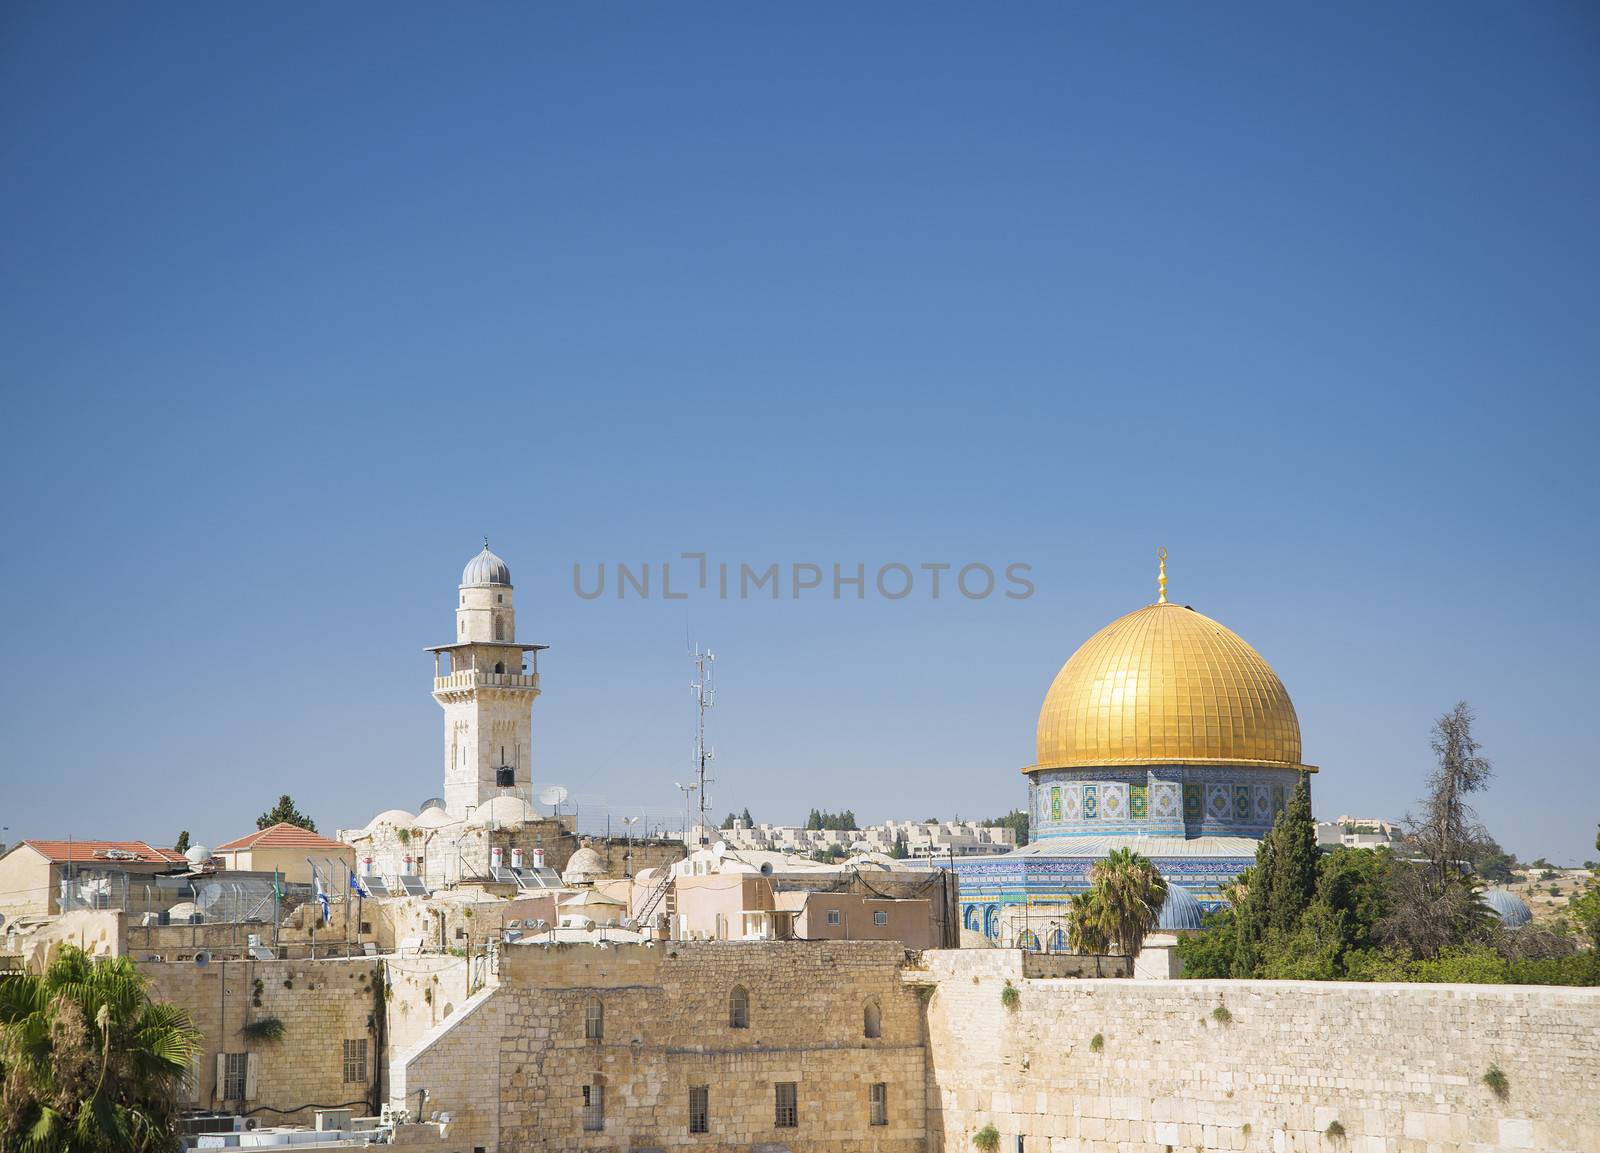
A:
486, 683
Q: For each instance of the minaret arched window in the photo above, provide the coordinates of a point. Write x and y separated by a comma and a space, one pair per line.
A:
872, 1019
738, 1008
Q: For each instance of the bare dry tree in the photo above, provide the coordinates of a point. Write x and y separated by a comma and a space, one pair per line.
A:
1434, 904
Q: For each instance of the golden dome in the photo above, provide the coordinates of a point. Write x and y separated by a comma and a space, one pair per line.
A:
1166, 685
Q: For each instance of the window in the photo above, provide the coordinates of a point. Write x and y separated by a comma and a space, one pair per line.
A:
880, 918
594, 1107
594, 1021
355, 1062
833, 916
787, 1102
1021, 1142
738, 1008
878, 1104
699, 1108
233, 1071
872, 1020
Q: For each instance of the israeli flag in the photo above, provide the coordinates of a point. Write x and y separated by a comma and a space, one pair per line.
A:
357, 887
316, 878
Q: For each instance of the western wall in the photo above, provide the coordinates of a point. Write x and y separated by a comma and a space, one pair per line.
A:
1248, 1065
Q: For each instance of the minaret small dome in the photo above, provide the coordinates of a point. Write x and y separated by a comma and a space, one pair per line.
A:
486, 569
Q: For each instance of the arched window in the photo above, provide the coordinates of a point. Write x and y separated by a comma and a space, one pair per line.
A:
594, 1020
499, 666
1029, 940
991, 922
738, 1008
594, 1104
499, 629
971, 919
1058, 941
872, 1019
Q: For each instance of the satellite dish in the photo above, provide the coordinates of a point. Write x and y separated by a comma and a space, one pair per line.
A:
719, 850
208, 895
430, 803
553, 796
202, 958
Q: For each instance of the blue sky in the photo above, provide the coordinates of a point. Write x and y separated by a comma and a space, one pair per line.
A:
298, 303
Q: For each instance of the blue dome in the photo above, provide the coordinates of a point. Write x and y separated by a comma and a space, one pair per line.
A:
1180, 911
486, 569
1512, 910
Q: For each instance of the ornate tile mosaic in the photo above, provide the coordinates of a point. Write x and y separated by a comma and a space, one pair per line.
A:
1091, 802
1263, 800
1165, 797
1219, 801
1114, 802
1055, 802
1241, 802
1278, 803
1139, 802
1071, 803
1193, 803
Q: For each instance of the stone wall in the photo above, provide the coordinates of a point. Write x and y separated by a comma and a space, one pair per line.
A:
1255, 1065
321, 1004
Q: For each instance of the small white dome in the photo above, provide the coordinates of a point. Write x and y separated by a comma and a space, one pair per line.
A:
486, 569
197, 855
584, 865
432, 818
399, 818
502, 811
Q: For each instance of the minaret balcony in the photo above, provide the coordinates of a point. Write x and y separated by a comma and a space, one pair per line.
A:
467, 680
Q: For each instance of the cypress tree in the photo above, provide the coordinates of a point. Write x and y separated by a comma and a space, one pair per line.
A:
1294, 861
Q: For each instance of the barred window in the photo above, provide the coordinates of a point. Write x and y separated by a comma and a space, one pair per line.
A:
878, 1104
833, 916
787, 1105
880, 918
233, 1072
594, 1021
355, 1061
738, 1008
699, 1109
594, 1108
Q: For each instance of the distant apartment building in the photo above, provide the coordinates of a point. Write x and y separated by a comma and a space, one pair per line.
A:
924, 839
1358, 833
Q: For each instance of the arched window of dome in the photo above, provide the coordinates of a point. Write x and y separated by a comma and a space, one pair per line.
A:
1029, 941
738, 1008
971, 919
499, 666
871, 1019
991, 921
594, 1020
1058, 941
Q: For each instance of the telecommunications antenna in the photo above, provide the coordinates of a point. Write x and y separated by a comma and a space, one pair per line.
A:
553, 796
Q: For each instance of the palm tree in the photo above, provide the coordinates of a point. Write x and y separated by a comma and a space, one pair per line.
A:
1121, 907
88, 1062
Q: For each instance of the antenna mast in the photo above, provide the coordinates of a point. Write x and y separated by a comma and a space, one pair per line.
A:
704, 699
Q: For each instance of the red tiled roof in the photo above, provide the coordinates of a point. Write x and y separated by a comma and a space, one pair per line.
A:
105, 851
281, 836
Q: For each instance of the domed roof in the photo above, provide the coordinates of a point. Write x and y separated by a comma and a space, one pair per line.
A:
433, 817
502, 810
486, 569
1511, 909
1180, 911
1167, 685
584, 865
399, 818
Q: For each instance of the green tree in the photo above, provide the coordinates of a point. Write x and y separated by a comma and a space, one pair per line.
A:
1585, 914
727, 822
1294, 861
88, 1062
181, 845
1124, 899
1209, 954
748, 820
899, 851
284, 812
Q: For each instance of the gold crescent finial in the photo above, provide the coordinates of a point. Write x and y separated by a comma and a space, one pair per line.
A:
1161, 579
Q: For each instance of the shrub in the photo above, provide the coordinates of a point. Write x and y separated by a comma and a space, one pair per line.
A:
1221, 1015
1009, 997
1097, 1043
1335, 1131
264, 1029
987, 1139
1497, 1083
